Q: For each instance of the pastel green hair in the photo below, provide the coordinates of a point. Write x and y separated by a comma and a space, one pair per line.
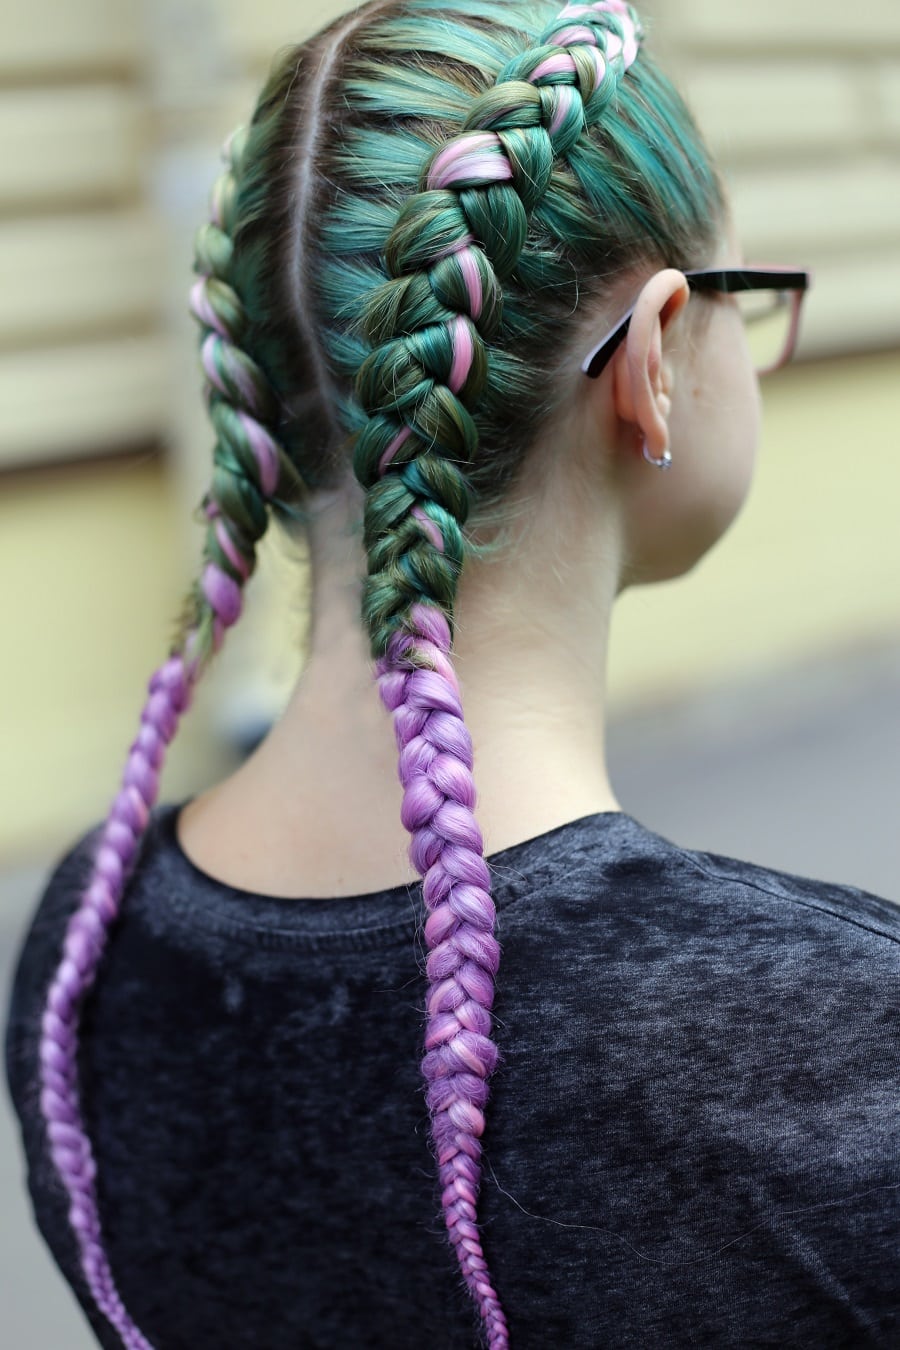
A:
429, 199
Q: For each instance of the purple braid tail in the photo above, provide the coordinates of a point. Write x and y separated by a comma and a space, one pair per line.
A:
418, 685
170, 693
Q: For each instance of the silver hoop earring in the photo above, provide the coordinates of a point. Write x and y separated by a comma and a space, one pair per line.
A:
664, 461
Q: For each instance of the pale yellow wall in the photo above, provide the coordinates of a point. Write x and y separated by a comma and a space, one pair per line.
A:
97, 355
799, 103
82, 367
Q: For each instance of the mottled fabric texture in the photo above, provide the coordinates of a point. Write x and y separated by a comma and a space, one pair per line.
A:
692, 1138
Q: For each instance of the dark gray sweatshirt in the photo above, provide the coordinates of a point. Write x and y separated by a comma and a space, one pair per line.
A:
693, 1136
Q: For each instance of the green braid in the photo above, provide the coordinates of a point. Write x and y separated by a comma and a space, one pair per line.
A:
249, 466
404, 381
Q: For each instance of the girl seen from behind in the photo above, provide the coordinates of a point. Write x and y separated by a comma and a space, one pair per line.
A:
422, 1039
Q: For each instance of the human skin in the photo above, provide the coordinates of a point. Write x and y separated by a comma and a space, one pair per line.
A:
315, 810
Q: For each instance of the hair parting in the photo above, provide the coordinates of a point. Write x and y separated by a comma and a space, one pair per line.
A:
310, 137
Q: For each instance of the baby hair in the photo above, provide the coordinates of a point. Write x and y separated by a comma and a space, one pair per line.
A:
391, 297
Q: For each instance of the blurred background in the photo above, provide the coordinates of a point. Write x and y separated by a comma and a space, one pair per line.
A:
754, 705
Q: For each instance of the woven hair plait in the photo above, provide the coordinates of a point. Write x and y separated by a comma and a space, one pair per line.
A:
453, 244
478, 156
606, 35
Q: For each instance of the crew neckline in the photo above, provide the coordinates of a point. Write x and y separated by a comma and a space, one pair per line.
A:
364, 919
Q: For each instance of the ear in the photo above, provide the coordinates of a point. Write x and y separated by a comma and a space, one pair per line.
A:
642, 380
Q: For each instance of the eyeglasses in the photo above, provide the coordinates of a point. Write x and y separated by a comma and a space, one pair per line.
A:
769, 299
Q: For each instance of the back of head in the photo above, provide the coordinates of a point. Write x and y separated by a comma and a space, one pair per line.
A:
431, 199
351, 265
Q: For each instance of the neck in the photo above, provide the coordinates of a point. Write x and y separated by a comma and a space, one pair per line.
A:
320, 798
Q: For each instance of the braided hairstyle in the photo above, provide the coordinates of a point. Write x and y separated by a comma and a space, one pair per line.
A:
396, 294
